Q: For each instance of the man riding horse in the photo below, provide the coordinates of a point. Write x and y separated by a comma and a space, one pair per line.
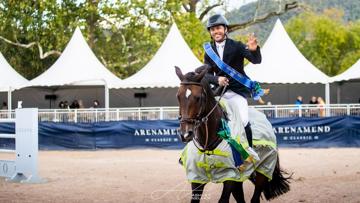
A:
231, 53
216, 153
218, 149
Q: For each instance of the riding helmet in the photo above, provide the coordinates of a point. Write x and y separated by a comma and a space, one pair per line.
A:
215, 20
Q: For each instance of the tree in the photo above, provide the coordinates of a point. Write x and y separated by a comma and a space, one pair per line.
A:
262, 12
119, 33
30, 28
325, 40
133, 31
353, 52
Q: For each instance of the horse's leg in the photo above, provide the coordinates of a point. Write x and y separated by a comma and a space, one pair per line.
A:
238, 192
197, 190
227, 189
260, 181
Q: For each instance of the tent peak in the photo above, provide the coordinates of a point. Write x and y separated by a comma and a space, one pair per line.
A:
282, 62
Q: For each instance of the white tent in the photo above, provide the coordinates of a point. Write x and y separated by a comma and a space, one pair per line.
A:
160, 71
282, 62
9, 79
351, 73
77, 65
347, 84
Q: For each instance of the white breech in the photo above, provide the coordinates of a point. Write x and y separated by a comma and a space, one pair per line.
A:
238, 103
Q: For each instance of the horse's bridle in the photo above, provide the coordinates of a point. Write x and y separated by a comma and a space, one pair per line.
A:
198, 120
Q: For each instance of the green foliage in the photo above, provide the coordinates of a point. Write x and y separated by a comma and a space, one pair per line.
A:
325, 40
35, 21
123, 34
351, 8
130, 35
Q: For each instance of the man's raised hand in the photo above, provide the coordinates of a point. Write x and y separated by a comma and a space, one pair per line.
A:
252, 42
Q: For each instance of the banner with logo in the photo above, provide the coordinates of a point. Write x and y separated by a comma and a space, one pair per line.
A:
317, 132
157, 133
290, 132
122, 134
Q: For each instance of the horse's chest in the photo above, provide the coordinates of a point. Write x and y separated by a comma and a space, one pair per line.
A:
215, 166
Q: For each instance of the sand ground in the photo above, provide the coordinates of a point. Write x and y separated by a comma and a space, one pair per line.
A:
154, 175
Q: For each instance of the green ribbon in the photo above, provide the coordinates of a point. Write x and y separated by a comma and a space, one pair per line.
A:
257, 88
224, 133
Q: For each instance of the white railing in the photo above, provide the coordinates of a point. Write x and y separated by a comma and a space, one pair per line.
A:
279, 111
164, 113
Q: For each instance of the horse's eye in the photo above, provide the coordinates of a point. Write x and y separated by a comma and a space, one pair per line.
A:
197, 99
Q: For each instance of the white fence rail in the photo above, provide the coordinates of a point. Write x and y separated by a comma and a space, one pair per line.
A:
164, 113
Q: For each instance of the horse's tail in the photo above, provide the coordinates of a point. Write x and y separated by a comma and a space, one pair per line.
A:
279, 184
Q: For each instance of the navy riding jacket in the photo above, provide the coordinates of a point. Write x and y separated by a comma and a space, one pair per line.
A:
234, 54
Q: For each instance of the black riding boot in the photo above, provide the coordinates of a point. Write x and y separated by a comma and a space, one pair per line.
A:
249, 134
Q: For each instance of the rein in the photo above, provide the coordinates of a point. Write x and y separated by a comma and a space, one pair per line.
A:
198, 121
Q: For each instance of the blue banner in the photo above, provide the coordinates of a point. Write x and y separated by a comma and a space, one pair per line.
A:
290, 132
57, 136
317, 132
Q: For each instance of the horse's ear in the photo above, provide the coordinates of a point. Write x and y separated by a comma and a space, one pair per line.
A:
201, 68
204, 70
179, 73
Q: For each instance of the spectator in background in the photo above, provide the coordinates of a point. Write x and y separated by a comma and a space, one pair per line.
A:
66, 104
75, 104
313, 110
313, 100
266, 92
321, 105
4, 106
299, 101
67, 107
61, 105
96, 104
269, 113
81, 104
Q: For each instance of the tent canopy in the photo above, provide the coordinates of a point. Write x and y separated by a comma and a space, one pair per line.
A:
282, 62
9, 78
160, 71
77, 65
352, 73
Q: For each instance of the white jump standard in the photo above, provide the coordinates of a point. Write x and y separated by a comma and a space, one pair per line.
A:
24, 168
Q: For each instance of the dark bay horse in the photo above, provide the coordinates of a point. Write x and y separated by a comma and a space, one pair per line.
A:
200, 117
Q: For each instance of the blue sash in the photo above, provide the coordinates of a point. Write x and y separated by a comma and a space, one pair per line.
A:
253, 86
